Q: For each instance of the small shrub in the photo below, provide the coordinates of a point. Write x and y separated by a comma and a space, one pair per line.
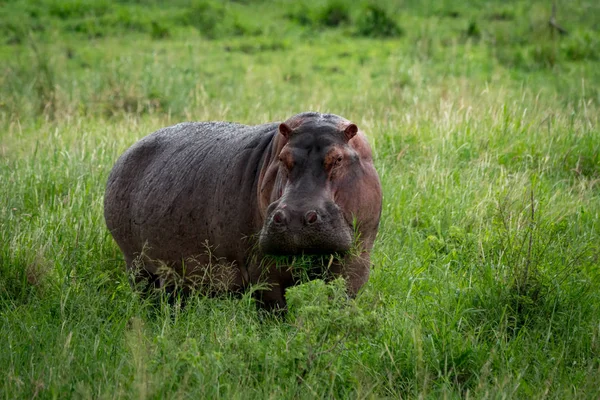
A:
473, 30
241, 27
88, 26
301, 14
121, 99
518, 284
13, 33
77, 8
45, 81
375, 22
159, 31
207, 17
579, 47
257, 45
334, 14
582, 159
125, 19
502, 15
545, 54
325, 317
451, 14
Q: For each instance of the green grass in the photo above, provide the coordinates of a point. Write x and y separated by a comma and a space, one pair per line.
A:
484, 124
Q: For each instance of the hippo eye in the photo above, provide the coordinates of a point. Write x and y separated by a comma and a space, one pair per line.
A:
334, 162
287, 162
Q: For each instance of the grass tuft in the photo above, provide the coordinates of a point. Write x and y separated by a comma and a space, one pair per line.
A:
374, 21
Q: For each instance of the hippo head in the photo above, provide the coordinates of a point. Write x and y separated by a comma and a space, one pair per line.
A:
312, 168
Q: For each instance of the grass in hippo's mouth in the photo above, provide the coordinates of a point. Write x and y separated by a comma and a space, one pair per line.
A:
305, 267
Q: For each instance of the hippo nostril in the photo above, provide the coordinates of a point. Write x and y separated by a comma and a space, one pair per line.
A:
278, 218
311, 217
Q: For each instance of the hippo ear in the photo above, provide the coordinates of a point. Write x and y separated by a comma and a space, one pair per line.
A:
285, 130
350, 131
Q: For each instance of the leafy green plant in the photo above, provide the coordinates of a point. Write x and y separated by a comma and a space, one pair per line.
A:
159, 31
335, 13
207, 16
376, 22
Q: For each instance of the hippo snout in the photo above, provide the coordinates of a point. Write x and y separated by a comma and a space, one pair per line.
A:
290, 229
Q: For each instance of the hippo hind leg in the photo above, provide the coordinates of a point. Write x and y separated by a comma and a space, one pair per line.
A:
271, 297
140, 278
148, 285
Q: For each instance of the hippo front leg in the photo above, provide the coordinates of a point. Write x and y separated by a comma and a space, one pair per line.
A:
272, 299
274, 281
354, 269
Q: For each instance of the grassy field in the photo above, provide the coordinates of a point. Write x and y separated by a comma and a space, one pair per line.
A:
485, 126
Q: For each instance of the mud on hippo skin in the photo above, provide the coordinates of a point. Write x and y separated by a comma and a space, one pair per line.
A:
303, 186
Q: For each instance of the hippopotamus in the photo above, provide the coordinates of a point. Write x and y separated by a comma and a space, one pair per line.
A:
230, 204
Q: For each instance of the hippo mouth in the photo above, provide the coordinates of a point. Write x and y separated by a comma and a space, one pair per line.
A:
327, 237
294, 243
